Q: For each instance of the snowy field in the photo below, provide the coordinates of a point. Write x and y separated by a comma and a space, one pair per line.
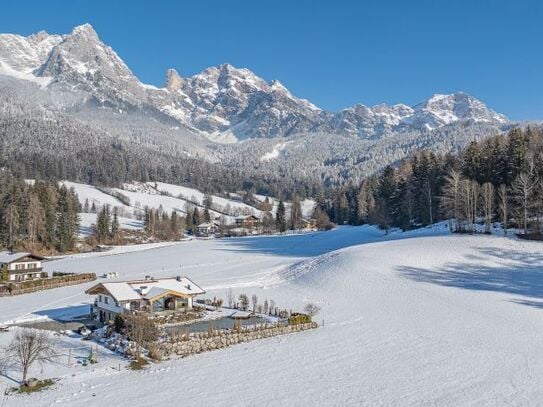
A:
169, 197
410, 319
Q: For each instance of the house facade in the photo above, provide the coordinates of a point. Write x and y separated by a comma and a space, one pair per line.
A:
207, 229
21, 266
149, 295
249, 221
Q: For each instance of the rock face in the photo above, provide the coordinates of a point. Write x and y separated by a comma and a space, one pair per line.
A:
223, 103
174, 82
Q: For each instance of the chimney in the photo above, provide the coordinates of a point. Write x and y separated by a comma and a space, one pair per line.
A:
178, 278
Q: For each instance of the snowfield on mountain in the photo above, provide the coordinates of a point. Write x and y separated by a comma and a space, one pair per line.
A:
411, 319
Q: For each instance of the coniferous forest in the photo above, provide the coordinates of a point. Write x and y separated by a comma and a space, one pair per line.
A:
499, 179
40, 216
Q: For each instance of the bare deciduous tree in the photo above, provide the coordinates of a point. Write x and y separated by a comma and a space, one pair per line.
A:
487, 192
523, 188
254, 300
141, 330
311, 309
503, 204
272, 306
451, 198
230, 298
244, 301
469, 197
29, 346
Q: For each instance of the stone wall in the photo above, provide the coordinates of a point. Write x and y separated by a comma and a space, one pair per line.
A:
206, 341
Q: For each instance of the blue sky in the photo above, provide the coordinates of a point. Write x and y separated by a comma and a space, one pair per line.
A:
334, 53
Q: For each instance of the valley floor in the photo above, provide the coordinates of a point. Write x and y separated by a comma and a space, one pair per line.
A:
420, 318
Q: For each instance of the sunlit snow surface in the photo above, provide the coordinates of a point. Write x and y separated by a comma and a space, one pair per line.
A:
410, 319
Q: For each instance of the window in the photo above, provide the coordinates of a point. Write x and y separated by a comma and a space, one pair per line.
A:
106, 300
19, 267
99, 298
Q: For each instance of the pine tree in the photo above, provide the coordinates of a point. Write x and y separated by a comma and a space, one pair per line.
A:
296, 214
102, 226
280, 218
115, 227
196, 220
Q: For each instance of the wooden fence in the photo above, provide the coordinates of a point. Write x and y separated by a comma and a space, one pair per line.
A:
26, 287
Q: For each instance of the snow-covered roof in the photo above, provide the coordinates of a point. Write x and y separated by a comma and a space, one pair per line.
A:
245, 217
155, 292
9, 257
146, 289
207, 225
121, 291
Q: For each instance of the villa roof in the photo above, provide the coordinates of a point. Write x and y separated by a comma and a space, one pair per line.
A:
7, 257
245, 217
146, 289
207, 225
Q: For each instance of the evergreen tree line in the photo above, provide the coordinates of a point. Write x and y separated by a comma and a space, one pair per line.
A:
158, 224
499, 179
38, 216
107, 227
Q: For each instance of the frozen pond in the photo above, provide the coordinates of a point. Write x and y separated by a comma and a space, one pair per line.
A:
217, 324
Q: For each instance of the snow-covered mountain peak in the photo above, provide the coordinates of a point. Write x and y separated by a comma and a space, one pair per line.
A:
444, 109
174, 81
23, 55
85, 30
221, 102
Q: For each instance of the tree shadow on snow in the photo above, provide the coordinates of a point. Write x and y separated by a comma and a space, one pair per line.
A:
64, 314
313, 243
522, 275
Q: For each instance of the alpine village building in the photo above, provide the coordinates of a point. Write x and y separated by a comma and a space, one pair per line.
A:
149, 296
21, 266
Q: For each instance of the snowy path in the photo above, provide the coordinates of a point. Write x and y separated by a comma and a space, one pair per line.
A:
436, 321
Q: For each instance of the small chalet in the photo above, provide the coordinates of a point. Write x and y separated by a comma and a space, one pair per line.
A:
149, 295
207, 229
249, 221
21, 266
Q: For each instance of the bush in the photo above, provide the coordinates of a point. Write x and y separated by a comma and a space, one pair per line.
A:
119, 323
38, 386
154, 352
296, 319
138, 364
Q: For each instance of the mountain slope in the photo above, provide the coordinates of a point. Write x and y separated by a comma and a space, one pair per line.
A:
223, 102
206, 116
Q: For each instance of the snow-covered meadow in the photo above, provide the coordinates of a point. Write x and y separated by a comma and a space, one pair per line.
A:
131, 200
418, 318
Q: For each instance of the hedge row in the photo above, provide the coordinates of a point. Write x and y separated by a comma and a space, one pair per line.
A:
29, 286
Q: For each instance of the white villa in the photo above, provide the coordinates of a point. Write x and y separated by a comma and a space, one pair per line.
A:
21, 266
149, 295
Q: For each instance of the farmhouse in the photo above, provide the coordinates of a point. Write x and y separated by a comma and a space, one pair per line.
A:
21, 266
149, 295
249, 221
207, 229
